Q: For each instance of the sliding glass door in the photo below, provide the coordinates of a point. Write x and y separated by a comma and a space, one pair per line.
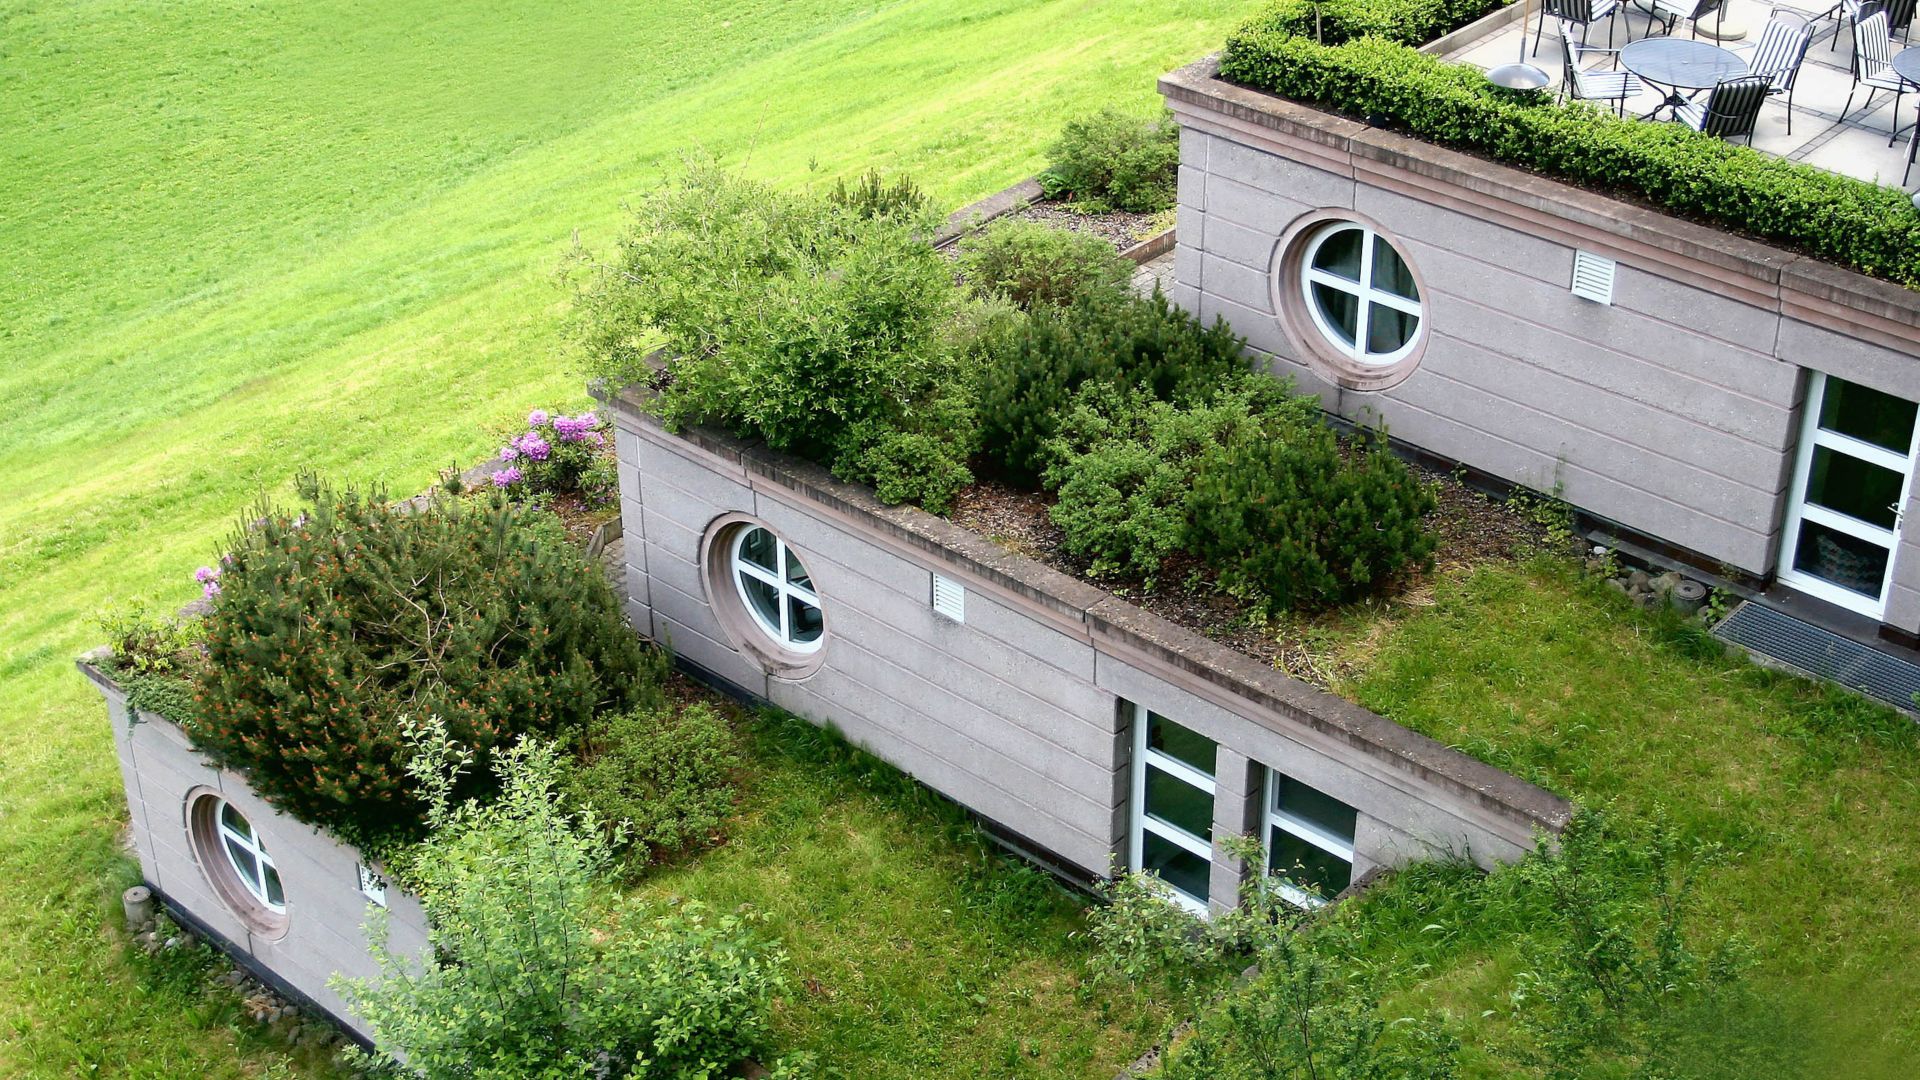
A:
1851, 481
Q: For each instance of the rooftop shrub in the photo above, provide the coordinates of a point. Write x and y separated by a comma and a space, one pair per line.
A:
555, 454
1299, 520
660, 775
333, 621
1871, 228
1033, 264
1113, 161
528, 973
815, 323
1105, 335
1332, 22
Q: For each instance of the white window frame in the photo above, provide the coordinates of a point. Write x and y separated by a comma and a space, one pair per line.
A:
1363, 290
1144, 823
787, 590
1303, 829
1799, 510
253, 878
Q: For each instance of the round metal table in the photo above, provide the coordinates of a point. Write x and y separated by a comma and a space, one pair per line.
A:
1679, 64
1906, 64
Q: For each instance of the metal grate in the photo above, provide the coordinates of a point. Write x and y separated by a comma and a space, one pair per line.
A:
949, 598
1593, 277
1822, 653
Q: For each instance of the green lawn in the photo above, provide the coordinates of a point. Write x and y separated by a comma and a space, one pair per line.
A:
1813, 792
248, 239
917, 949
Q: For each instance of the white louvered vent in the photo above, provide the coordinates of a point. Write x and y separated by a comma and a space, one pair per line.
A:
949, 598
1593, 277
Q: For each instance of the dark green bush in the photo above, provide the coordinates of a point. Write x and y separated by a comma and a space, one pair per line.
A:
1866, 226
335, 624
1409, 22
1034, 264
1103, 336
667, 773
1123, 465
816, 326
1298, 521
1114, 161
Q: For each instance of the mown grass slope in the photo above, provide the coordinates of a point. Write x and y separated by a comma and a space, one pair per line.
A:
242, 240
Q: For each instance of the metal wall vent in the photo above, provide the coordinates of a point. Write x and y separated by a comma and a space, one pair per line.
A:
1593, 277
949, 598
1821, 653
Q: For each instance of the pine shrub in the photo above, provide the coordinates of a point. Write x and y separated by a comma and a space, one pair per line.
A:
334, 623
1114, 161
1034, 264
1106, 336
1123, 465
1296, 522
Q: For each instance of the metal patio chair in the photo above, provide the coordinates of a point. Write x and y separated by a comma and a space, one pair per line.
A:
1731, 109
1899, 16
1670, 12
1873, 63
1583, 85
1778, 54
1582, 13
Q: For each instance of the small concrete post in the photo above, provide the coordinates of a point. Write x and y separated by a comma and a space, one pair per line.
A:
1236, 805
137, 903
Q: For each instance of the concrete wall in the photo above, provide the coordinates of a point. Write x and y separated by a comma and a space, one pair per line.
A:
323, 933
1673, 411
1016, 713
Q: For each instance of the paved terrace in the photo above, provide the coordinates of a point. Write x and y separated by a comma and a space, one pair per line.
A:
1855, 144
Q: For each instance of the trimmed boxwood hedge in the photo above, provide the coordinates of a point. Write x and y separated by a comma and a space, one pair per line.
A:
1870, 228
1409, 22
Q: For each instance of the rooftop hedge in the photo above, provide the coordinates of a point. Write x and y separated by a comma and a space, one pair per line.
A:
1366, 69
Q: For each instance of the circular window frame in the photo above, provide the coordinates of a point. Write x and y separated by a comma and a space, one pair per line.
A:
204, 832
1289, 286
745, 628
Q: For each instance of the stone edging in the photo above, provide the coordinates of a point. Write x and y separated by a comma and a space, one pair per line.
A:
1772, 278
1515, 808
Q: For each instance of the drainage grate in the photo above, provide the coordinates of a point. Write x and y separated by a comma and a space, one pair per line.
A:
1822, 653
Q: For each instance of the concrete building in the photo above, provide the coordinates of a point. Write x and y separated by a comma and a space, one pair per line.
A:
1083, 730
1703, 398
283, 899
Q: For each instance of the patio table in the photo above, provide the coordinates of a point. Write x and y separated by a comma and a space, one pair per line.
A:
1906, 64
1679, 64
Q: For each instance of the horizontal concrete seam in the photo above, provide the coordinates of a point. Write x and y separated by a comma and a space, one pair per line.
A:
1100, 729
901, 735
996, 751
1688, 465
1638, 362
1332, 740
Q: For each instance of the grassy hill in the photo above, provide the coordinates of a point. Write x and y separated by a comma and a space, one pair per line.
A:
244, 240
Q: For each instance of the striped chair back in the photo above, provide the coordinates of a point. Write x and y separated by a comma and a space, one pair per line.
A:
1872, 48
1579, 11
1734, 106
1782, 46
1899, 14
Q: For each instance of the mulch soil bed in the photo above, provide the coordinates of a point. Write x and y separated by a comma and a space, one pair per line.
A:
1119, 228
1324, 648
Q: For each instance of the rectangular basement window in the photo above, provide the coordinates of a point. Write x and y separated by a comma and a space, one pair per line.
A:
1309, 841
1172, 834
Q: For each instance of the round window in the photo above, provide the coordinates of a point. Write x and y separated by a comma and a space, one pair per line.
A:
1361, 294
776, 589
234, 856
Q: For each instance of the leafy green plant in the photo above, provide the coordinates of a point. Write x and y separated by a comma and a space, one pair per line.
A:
334, 620
1140, 935
527, 974
1103, 336
1032, 263
1332, 22
816, 325
556, 454
1111, 160
661, 777
1301, 521
1872, 228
